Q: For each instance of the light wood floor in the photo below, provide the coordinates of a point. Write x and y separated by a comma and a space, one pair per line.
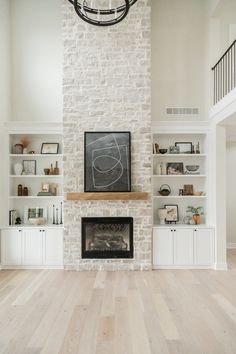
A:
159, 312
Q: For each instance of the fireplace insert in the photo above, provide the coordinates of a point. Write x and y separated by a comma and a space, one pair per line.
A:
107, 237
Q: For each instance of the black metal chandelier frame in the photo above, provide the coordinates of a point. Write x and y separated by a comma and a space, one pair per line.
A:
83, 11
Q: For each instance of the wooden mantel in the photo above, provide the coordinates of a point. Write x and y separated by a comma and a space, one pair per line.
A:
108, 196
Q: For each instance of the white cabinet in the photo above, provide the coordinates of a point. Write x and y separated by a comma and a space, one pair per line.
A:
204, 246
163, 247
183, 247
11, 247
53, 247
32, 247
32, 251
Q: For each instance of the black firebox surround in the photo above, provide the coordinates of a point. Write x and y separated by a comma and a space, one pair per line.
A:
86, 254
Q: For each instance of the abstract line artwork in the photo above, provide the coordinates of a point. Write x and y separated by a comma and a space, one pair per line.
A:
107, 162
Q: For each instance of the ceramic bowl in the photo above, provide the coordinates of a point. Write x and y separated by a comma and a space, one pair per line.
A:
163, 151
192, 168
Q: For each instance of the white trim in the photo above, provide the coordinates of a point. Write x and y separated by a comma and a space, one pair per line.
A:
221, 266
34, 127
211, 266
32, 267
224, 108
231, 245
180, 127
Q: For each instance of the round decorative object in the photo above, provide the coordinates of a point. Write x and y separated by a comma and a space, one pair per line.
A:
163, 151
18, 168
165, 190
18, 149
192, 168
187, 219
95, 13
162, 214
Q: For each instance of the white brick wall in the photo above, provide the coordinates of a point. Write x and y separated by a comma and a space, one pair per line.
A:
107, 87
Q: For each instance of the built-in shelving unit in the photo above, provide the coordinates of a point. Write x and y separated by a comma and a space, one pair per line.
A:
182, 245
36, 135
165, 139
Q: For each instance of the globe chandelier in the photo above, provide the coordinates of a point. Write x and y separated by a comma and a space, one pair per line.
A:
108, 15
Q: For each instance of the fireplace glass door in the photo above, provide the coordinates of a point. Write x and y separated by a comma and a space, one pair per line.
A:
107, 237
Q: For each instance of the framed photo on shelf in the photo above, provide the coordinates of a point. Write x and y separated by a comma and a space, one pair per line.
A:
172, 215
107, 161
50, 148
29, 167
184, 148
175, 168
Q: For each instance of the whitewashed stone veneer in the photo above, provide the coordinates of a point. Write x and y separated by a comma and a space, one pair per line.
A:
107, 87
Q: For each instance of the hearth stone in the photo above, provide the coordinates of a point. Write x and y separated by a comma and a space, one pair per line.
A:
107, 237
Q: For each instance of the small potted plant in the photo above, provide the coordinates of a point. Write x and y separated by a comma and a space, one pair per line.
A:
196, 213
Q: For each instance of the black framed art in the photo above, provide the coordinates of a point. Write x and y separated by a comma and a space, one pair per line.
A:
172, 213
50, 148
107, 161
184, 147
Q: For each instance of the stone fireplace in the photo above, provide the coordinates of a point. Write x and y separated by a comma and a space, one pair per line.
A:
107, 87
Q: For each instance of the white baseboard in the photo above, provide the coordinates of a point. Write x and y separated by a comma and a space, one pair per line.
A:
183, 267
5, 267
221, 266
231, 245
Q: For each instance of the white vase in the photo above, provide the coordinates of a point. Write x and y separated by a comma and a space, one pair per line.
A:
18, 168
25, 151
162, 213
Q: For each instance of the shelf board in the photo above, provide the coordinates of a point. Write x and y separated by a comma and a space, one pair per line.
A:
35, 155
179, 155
179, 176
178, 226
36, 197
179, 196
28, 226
36, 176
108, 196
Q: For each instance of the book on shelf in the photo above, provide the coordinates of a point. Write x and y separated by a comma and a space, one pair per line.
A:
44, 194
12, 217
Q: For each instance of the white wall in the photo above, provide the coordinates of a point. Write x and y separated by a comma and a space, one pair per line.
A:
178, 55
231, 191
4, 60
36, 60
4, 88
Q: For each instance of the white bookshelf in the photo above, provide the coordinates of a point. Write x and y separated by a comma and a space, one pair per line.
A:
36, 134
166, 138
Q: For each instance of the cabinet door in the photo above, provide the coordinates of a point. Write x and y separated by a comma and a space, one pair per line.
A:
162, 247
32, 247
11, 247
183, 246
53, 247
204, 246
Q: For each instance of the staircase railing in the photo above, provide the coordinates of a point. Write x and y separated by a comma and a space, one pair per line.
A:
225, 73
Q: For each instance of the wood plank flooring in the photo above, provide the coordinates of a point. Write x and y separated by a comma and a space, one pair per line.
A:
159, 312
